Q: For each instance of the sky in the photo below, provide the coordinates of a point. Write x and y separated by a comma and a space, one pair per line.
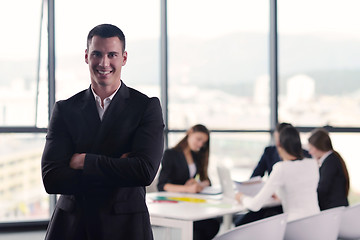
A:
140, 19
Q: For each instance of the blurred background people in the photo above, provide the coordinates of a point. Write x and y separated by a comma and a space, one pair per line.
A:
265, 165
271, 155
334, 180
184, 168
293, 179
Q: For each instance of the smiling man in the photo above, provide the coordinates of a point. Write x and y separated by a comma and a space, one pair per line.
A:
103, 146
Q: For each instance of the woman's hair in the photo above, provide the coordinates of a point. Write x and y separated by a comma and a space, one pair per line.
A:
320, 139
289, 139
202, 154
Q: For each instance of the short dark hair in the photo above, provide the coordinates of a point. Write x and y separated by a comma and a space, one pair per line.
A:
282, 125
106, 31
289, 138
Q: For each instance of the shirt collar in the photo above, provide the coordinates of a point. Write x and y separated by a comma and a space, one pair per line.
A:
109, 97
321, 160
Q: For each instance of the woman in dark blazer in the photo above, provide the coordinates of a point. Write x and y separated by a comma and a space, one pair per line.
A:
334, 181
185, 169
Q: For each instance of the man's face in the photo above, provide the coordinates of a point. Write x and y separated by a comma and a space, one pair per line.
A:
105, 59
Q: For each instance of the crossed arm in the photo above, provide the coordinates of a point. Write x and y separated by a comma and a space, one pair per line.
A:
66, 171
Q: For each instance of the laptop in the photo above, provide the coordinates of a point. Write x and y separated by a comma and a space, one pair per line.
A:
226, 182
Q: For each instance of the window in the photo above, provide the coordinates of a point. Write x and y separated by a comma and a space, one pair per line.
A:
218, 64
23, 89
318, 63
22, 195
23, 105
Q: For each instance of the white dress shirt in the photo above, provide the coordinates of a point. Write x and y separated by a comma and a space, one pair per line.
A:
192, 169
321, 160
295, 183
101, 109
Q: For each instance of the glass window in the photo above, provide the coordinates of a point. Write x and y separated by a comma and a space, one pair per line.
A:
218, 64
22, 195
319, 62
23, 84
140, 22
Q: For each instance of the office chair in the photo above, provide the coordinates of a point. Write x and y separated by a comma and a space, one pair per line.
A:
350, 223
322, 226
268, 228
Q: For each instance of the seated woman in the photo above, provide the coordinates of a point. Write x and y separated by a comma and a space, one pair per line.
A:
180, 167
294, 180
334, 181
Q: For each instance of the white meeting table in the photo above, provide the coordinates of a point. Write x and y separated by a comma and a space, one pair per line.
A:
189, 208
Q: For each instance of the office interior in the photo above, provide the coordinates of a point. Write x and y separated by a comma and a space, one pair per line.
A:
239, 67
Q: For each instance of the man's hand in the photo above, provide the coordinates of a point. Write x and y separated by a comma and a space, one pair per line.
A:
77, 161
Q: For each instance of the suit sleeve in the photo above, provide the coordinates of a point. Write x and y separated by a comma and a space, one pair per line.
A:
306, 154
328, 172
57, 175
261, 167
166, 170
140, 167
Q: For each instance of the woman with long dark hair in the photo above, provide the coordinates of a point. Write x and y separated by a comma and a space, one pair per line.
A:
188, 160
334, 183
294, 180
184, 168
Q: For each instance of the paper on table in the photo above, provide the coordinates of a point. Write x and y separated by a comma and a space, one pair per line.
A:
211, 190
250, 187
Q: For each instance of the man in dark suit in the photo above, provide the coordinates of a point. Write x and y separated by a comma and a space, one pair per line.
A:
103, 146
271, 155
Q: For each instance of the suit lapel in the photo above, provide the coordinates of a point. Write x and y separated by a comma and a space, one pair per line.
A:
117, 105
113, 113
90, 112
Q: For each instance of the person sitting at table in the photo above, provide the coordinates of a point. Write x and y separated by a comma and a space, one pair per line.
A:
265, 165
334, 181
271, 155
180, 167
294, 180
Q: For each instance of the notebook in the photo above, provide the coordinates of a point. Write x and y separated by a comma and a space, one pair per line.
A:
250, 187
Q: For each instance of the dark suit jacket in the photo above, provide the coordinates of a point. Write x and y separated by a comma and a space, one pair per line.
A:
174, 168
332, 185
268, 159
105, 200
